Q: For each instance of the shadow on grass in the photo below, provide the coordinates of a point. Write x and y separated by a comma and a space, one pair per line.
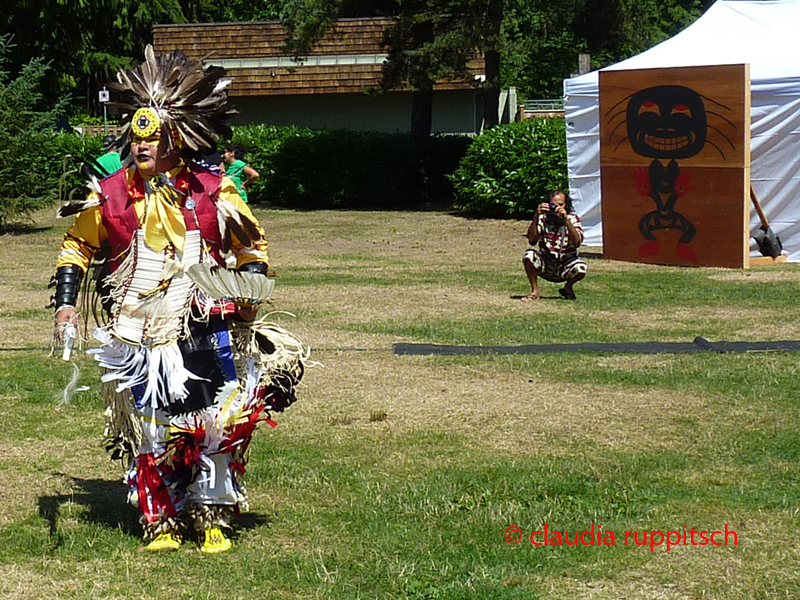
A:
107, 506
105, 501
21, 229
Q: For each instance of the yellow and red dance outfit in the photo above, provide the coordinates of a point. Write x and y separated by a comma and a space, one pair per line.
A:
190, 381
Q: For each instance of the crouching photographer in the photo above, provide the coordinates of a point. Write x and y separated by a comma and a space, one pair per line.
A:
555, 235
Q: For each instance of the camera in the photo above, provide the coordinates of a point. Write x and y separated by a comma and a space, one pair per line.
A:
552, 216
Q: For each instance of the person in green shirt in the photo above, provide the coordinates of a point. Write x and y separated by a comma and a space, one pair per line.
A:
110, 160
239, 171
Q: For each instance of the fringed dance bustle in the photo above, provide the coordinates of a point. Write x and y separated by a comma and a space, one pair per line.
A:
123, 431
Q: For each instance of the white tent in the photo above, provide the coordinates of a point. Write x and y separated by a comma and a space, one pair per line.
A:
765, 34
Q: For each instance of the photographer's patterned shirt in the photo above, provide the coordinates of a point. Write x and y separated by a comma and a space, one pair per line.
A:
554, 239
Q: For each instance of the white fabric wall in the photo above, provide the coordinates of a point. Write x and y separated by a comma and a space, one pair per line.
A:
761, 33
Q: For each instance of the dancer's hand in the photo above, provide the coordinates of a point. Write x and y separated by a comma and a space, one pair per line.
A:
247, 313
65, 315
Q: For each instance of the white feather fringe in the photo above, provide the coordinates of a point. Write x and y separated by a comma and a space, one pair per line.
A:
160, 370
69, 389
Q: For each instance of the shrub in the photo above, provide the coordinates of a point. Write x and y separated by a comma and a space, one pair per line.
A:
304, 168
28, 180
64, 156
81, 119
263, 143
508, 170
299, 167
443, 154
337, 169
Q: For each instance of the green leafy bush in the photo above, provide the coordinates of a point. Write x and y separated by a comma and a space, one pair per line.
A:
263, 144
28, 180
304, 168
299, 167
56, 158
64, 156
336, 169
508, 170
443, 154
82, 120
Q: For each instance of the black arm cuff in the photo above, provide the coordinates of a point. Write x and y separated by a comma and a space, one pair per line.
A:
254, 267
68, 282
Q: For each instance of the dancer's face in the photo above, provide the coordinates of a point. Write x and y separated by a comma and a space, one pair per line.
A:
150, 157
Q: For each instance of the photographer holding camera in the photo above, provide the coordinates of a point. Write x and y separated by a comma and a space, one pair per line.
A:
555, 235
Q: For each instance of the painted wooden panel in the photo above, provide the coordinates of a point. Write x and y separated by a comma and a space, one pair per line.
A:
675, 165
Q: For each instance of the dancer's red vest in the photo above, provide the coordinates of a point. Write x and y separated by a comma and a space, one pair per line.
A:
121, 221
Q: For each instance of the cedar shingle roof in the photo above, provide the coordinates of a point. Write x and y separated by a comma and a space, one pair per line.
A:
260, 39
221, 43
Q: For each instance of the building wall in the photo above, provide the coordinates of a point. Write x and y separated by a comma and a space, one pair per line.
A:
457, 111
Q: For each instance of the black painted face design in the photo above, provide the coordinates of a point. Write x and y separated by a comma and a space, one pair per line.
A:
666, 121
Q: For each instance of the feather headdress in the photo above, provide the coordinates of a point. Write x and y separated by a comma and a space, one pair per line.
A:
178, 95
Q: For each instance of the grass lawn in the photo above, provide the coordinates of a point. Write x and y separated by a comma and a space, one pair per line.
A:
409, 476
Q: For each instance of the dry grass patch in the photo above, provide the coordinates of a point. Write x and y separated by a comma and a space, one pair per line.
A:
336, 306
502, 411
744, 324
757, 566
636, 362
23, 582
418, 238
23, 286
22, 489
25, 333
772, 275
629, 588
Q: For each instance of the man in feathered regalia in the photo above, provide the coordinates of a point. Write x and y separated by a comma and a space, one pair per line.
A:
190, 373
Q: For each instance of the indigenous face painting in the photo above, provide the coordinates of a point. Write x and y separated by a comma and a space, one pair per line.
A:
666, 123
147, 148
146, 153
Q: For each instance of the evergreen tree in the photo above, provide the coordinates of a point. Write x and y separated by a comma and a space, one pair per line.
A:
84, 41
542, 39
28, 180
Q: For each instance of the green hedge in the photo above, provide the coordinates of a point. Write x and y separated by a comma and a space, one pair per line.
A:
348, 169
508, 170
43, 166
263, 144
299, 168
304, 168
67, 153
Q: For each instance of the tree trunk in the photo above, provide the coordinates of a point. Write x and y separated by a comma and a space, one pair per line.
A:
491, 89
422, 112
